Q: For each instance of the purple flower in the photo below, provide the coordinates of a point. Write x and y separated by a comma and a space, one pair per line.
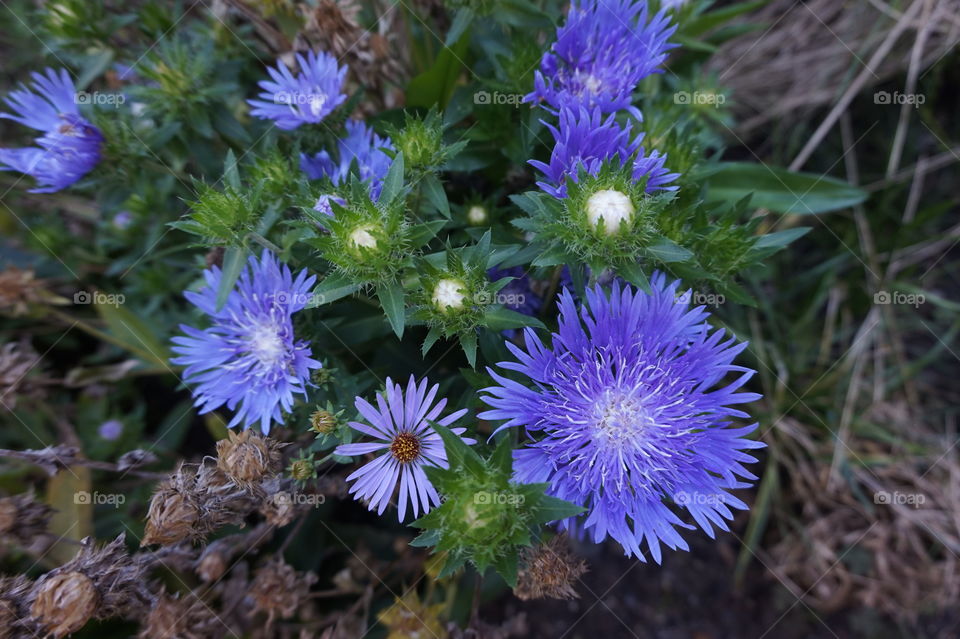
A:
323, 203
628, 407
402, 424
69, 147
305, 99
605, 48
249, 358
586, 140
361, 148
110, 430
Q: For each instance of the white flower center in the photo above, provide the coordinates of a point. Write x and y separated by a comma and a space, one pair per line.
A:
316, 103
361, 237
620, 420
477, 214
266, 345
613, 207
449, 294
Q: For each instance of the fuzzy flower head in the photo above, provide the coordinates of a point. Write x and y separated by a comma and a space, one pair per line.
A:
605, 48
585, 140
401, 425
306, 98
361, 148
70, 145
249, 358
628, 408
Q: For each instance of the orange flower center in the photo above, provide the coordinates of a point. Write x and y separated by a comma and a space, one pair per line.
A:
405, 447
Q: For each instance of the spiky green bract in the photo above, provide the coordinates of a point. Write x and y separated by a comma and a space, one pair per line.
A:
566, 233
456, 297
367, 241
421, 142
223, 217
485, 519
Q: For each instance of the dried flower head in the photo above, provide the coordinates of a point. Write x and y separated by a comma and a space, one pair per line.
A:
247, 458
65, 603
23, 519
99, 583
278, 589
18, 290
279, 509
17, 360
549, 571
14, 612
173, 617
194, 502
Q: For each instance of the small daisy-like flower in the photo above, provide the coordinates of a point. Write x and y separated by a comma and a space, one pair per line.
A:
586, 140
605, 48
401, 423
249, 359
70, 145
628, 408
361, 148
306, 98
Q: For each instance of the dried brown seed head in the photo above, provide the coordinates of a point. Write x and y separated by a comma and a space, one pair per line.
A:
248, 457
173, 517
549, 571
65, 602
278, 589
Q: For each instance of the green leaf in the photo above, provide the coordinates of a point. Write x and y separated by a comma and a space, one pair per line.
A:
707, 21
459, 453
780, 190
391, 299
393, 182
420, 234
231, 174
332, 288
427, 538
633, 273
468, 342
553, 509
668, 251
433, 189
461, 22
432, 336
436, 84
498, 318
134, 334
780, 239
234, 261
506, 567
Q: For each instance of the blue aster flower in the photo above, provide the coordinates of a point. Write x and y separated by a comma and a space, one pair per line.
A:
605, 48
70, 145
401, 423
628, 407
585, 139
249, 358
362, 148
306, 98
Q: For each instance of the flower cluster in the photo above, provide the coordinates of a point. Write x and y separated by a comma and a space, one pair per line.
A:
585, 140
628, 409
70, 145
306, 98
249, 359
361, 147
602, 52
